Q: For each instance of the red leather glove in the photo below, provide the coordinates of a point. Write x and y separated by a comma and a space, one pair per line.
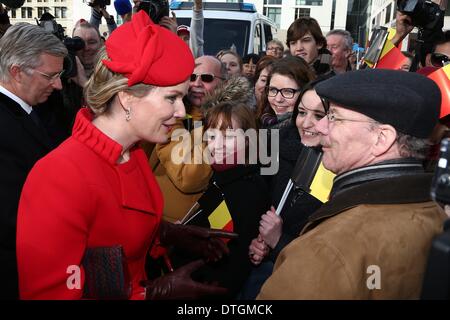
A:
198, 241
179, 285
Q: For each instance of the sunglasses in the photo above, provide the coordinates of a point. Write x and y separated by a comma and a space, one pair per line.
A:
205, 77
439, 60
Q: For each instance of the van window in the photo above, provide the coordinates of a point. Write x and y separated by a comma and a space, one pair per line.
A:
221, 34
257, 48
268, 36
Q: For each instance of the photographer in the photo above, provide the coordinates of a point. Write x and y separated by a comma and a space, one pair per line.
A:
428, 17
158, 10
98, 11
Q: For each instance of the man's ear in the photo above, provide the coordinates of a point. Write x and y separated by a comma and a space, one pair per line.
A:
15, 72
385, 139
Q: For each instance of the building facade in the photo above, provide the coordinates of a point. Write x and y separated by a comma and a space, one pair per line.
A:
66, 12
330, 14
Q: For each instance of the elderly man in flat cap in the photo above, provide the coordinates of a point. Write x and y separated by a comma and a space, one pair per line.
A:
371, 240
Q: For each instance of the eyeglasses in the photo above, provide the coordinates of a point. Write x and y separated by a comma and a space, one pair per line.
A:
325, 103
205, 77
439, 60
332, 118
49, 77
274, 49
287, 93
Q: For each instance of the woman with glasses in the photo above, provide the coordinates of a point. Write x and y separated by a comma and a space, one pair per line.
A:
275, 232
284, 83
275, 48
90, 211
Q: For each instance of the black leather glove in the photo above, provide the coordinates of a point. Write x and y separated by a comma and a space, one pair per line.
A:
179, 285
198, 241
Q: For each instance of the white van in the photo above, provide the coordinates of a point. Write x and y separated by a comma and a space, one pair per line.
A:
228, 24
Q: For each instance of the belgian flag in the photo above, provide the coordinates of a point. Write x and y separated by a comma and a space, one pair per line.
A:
211, 211
442, 79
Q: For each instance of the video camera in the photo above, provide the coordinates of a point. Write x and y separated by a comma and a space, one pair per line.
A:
156, 9
74, 44
99, 3
436, 284
424, 13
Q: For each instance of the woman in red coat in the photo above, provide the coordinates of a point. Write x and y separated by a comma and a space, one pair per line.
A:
97, 190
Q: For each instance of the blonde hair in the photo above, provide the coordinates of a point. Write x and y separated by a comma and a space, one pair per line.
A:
104, 84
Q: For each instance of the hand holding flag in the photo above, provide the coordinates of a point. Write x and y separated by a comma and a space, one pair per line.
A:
201, 242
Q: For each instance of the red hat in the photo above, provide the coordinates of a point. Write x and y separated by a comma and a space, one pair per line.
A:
146, 53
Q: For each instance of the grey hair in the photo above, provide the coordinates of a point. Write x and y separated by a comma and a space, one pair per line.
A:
23, 44
348, 40
408, 146
277, 42
413, 147
103, 86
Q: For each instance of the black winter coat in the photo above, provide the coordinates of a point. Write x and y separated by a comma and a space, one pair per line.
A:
247, 197
299, 205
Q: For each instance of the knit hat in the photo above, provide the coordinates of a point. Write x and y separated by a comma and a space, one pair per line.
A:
122, 6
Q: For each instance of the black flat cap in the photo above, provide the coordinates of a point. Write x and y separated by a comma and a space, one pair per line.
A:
407, 101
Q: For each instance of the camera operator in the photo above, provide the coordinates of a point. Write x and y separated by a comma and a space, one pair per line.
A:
98, 11
27, 78
158, 10
428, 17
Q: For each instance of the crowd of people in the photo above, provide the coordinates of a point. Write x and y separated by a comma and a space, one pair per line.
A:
151, 157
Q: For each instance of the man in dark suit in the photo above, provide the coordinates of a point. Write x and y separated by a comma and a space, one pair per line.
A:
31, 63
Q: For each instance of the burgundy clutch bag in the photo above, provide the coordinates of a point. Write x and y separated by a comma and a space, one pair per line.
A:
106, 274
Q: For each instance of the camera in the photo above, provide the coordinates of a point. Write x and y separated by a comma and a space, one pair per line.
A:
424, 13
74, 44
100, 3
156, 9
440, 186
436, 283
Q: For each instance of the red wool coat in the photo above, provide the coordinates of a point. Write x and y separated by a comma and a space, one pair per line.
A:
77, 197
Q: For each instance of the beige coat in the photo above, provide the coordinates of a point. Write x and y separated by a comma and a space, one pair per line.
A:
359, 251
181, 184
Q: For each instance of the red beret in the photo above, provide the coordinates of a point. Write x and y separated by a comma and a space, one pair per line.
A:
145, 52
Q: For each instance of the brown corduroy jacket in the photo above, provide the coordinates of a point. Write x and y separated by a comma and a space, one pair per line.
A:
370, 242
